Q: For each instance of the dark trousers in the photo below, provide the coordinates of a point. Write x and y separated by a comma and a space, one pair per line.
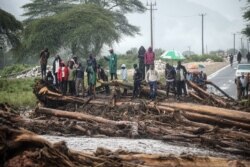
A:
170, 85
181, 85
56, 79
113, 75
153, 89
142, 68
43, 70
136, 90
63, 86
147, 66
72, 89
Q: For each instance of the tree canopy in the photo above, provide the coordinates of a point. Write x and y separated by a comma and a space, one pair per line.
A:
83, 26
9, 28
84, 29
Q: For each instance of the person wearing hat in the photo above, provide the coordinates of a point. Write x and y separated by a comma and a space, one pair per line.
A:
112, 59
124, 75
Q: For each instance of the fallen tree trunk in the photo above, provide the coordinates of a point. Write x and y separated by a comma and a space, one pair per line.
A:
209, 110
215, 120
206, 94
219, 89
86, 117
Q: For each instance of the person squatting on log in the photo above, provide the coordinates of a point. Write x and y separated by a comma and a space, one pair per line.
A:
124, 75
92, 78
170, 75
112, 59
141, 54
137, 77
102, 76
63, 74
79, 79
71, 78
180, 79
44, 55
55, 68
152, 77
149, 58
49, 78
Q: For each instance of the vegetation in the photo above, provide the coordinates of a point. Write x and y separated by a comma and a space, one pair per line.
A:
17, 92
82, 28
13, 69
198, 58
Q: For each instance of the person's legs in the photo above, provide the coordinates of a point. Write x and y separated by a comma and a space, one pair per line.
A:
112, 76
167, 88
151, 85
77, 86
116, 76
184, 88
154, 89
178, 85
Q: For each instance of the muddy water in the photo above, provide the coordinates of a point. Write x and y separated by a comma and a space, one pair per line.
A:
134, 145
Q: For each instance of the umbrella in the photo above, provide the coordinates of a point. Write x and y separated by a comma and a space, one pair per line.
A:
195, 67
172, 55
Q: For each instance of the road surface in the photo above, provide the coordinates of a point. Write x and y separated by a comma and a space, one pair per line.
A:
224, 78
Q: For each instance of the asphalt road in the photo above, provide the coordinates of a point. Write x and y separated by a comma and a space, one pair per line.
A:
224, 78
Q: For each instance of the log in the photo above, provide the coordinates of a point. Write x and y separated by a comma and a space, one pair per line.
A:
206, 94
86, 117
195, 96
215, 120
209, 110
219, 89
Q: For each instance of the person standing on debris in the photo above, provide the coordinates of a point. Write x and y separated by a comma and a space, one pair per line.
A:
149, 58
243, 81
91, 61
170, 75
152, 77
92, 79
49, 78
112, 59
55, 69
124, 75
63, 74
231, 59
79, 79
239, 56
239, 87
137, 77
71, 79
102, 76
141, 54
180, 79
44, 55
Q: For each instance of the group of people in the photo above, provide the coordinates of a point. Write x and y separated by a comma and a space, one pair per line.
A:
69, 77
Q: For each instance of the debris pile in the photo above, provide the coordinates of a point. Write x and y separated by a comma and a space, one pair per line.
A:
22, 148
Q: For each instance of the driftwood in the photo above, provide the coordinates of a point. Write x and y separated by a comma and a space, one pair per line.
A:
86, 117
25, 148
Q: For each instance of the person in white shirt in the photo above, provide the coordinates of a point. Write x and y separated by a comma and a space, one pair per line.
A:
124, 75
152, 76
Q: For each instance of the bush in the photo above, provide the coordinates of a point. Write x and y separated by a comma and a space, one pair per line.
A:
215, 58
13, 69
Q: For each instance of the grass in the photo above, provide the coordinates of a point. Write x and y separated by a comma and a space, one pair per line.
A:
13, 69
17, 92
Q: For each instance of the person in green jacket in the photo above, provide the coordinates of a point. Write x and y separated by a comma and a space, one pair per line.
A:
112, 59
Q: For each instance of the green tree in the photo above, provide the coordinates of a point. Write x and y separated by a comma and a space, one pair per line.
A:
9, 29
42, 14
83, 29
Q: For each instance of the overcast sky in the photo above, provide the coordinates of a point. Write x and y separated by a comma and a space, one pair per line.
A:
177, 24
